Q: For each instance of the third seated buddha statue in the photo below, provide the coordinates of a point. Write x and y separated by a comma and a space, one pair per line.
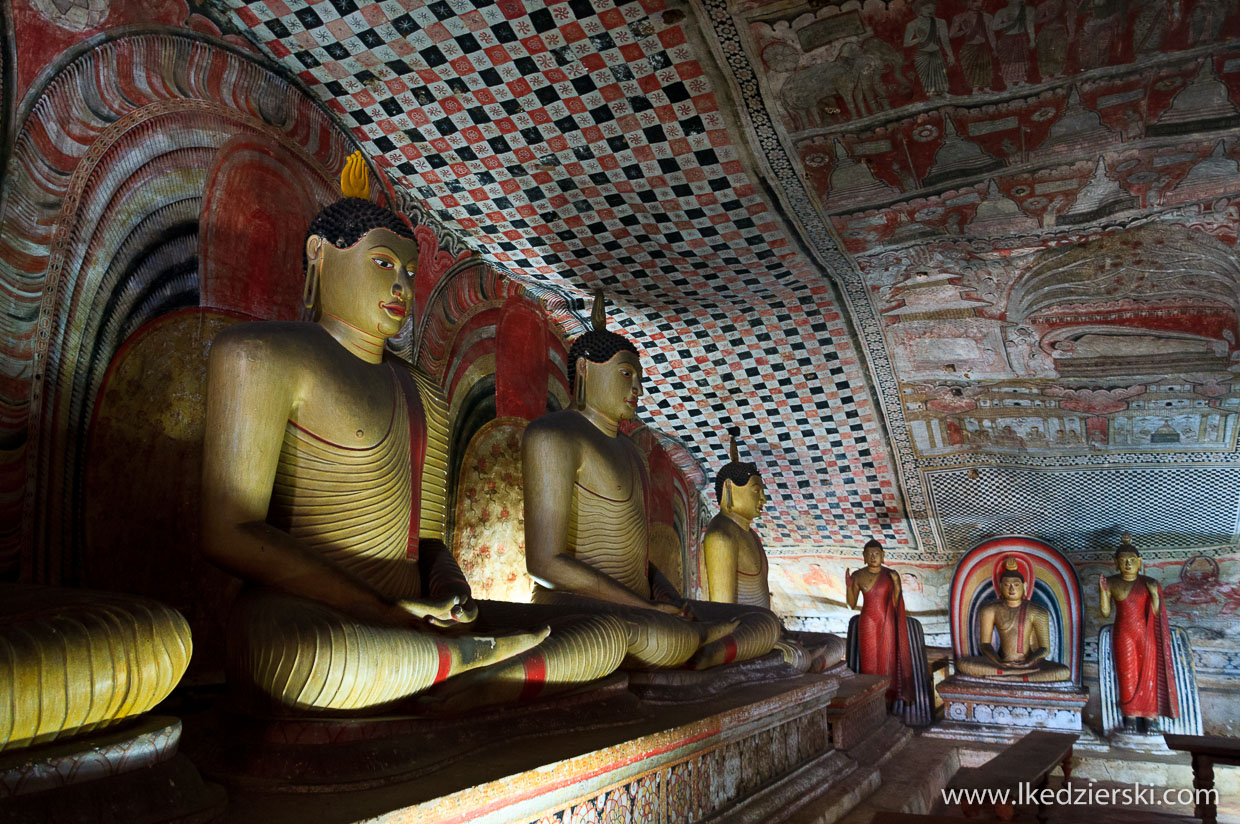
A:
736, 565
1023, 628
324, 455
586, 523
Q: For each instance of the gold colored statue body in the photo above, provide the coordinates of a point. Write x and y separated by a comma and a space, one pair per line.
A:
307, 497
736, 567
73, 661
585, 529
737, 570
1024, 638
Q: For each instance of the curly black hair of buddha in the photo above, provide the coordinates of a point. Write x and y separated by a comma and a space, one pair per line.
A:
1011, 573
597, 346
346, 221
738, 472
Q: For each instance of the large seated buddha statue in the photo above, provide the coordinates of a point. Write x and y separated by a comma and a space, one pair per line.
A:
318, 454
586, 523
736, 565
1023, 631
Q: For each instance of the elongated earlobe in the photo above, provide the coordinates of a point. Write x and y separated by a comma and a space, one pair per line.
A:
727, 496
310, 292
579, 388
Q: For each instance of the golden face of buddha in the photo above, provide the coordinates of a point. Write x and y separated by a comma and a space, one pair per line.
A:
873, 555
368, 285
748, 500
1012, 589
1128, 564
614, 387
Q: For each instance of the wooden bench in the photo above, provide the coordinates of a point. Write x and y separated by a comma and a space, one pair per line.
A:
1206, 750
1027, 763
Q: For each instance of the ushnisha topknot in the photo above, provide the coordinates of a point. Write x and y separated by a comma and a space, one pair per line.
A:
598, 345
1011, 570
734, 470
346, 221
1125, 545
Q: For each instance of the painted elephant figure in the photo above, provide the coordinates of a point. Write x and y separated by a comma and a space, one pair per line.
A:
856, 77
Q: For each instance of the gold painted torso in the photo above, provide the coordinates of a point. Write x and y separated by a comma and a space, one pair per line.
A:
751, 573
351, 503
1007, 623
607, 527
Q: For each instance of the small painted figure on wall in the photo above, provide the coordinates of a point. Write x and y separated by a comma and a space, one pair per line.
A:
1142, 642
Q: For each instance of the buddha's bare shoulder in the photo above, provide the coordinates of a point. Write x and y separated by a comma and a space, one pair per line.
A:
269, 337
567, 424
265, 350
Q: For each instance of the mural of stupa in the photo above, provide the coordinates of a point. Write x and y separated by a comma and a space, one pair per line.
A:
1077, 128
999, 215
1211, 177
853, 182
1101, 196
958, 158
1202, 104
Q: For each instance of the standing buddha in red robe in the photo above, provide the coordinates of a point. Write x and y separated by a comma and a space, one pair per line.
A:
1142, 641
882, 631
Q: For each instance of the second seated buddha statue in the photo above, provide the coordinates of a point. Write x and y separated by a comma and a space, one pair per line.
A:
1023, 628
586, 523
323, 452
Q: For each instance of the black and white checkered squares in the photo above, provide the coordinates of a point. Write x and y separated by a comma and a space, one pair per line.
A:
583, 143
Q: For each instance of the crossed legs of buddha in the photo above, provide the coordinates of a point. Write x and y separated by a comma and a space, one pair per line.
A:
292, 655
722, 633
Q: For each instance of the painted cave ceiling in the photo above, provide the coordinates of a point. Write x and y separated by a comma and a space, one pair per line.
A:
946, 264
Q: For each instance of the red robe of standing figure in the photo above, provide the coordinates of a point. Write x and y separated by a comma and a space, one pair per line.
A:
882, 630
1141, 638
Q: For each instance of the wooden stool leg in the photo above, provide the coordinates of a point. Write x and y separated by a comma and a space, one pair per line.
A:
1043, 784
1067, 766
1203, 783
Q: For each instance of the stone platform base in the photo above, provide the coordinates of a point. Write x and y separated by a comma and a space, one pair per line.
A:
859, 706
1009, 709
740, 752
129, 774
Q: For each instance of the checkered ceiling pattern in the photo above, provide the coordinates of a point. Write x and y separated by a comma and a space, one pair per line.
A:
582, 143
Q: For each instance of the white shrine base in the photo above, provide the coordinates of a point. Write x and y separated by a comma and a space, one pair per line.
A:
984, 710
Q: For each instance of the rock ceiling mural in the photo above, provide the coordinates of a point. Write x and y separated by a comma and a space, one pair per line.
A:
1028, 210
1032, 207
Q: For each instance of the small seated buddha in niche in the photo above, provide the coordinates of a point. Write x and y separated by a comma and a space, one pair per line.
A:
1023, 628
736, 565
882, 631
586, 523
1141, 640
322, 450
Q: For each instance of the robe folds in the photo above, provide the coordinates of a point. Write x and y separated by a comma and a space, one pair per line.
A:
1143, 664
882, 637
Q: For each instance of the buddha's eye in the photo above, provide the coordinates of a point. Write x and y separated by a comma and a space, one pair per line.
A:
383, 263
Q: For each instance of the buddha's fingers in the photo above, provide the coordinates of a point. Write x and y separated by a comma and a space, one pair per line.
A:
438, 611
